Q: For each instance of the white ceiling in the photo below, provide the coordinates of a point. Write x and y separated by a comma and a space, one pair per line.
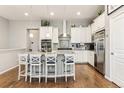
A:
38, 12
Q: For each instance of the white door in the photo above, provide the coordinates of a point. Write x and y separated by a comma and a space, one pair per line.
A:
117, 48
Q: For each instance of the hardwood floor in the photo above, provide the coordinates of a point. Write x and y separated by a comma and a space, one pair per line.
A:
86, 77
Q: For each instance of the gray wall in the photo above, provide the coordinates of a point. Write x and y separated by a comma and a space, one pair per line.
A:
4, 32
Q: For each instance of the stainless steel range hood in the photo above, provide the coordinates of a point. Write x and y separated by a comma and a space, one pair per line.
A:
64, 38
64, 32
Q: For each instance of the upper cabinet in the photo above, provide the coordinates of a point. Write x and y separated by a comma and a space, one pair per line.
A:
46, 33
88, 34
80, 35
55, 35
99, 23
49, 33
75, 35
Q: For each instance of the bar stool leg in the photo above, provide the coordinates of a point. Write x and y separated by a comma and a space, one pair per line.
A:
30, 72
43, 72
65, 73
74, 70
55, 73
39, 73
46, 75
25, 72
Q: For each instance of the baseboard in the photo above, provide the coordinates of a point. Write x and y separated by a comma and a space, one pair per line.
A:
108, 78
8, 69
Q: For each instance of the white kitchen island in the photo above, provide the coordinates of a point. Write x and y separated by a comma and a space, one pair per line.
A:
59, 64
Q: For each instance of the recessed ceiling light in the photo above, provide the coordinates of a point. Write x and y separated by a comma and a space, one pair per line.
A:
26, 14
51, 13
78, 13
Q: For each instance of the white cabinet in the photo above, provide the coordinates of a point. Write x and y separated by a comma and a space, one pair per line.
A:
79, 34
81, 56
83, 35
88, 34
49, 33
90, 55
55, 35
46, 33
93, 27
75, 35
99, 23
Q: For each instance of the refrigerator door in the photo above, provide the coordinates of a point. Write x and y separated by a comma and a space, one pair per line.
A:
100, 56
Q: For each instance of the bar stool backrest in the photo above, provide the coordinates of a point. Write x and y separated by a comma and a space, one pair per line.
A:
23, 58
51, 58
35, 58
69, 58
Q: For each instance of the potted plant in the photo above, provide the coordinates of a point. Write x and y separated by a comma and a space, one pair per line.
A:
45, 23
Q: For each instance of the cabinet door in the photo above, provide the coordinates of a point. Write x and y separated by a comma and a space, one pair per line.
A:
55, 35
42, 33
93, 27
100, 22
76, 57
75, 35
91, 58
79, 35
84, 56
46, 33
88, 35
83, 36
81, 56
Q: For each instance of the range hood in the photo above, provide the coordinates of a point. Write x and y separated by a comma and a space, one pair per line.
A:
64, 38
64, 33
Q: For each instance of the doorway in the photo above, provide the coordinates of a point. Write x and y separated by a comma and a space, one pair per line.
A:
33, 39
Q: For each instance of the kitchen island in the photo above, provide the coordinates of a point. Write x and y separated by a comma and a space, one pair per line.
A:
59, 64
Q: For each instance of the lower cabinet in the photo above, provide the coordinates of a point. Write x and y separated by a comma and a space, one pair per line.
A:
81, 56
90, 59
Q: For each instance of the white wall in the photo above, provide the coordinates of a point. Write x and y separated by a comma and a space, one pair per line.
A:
107, 47
4, 32
8, 59
18, 32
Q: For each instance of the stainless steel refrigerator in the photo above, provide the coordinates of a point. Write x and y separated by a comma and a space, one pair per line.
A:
99, 41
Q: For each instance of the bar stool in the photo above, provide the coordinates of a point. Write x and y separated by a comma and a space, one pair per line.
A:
35, 66
23, 61
69, 61
50, 62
